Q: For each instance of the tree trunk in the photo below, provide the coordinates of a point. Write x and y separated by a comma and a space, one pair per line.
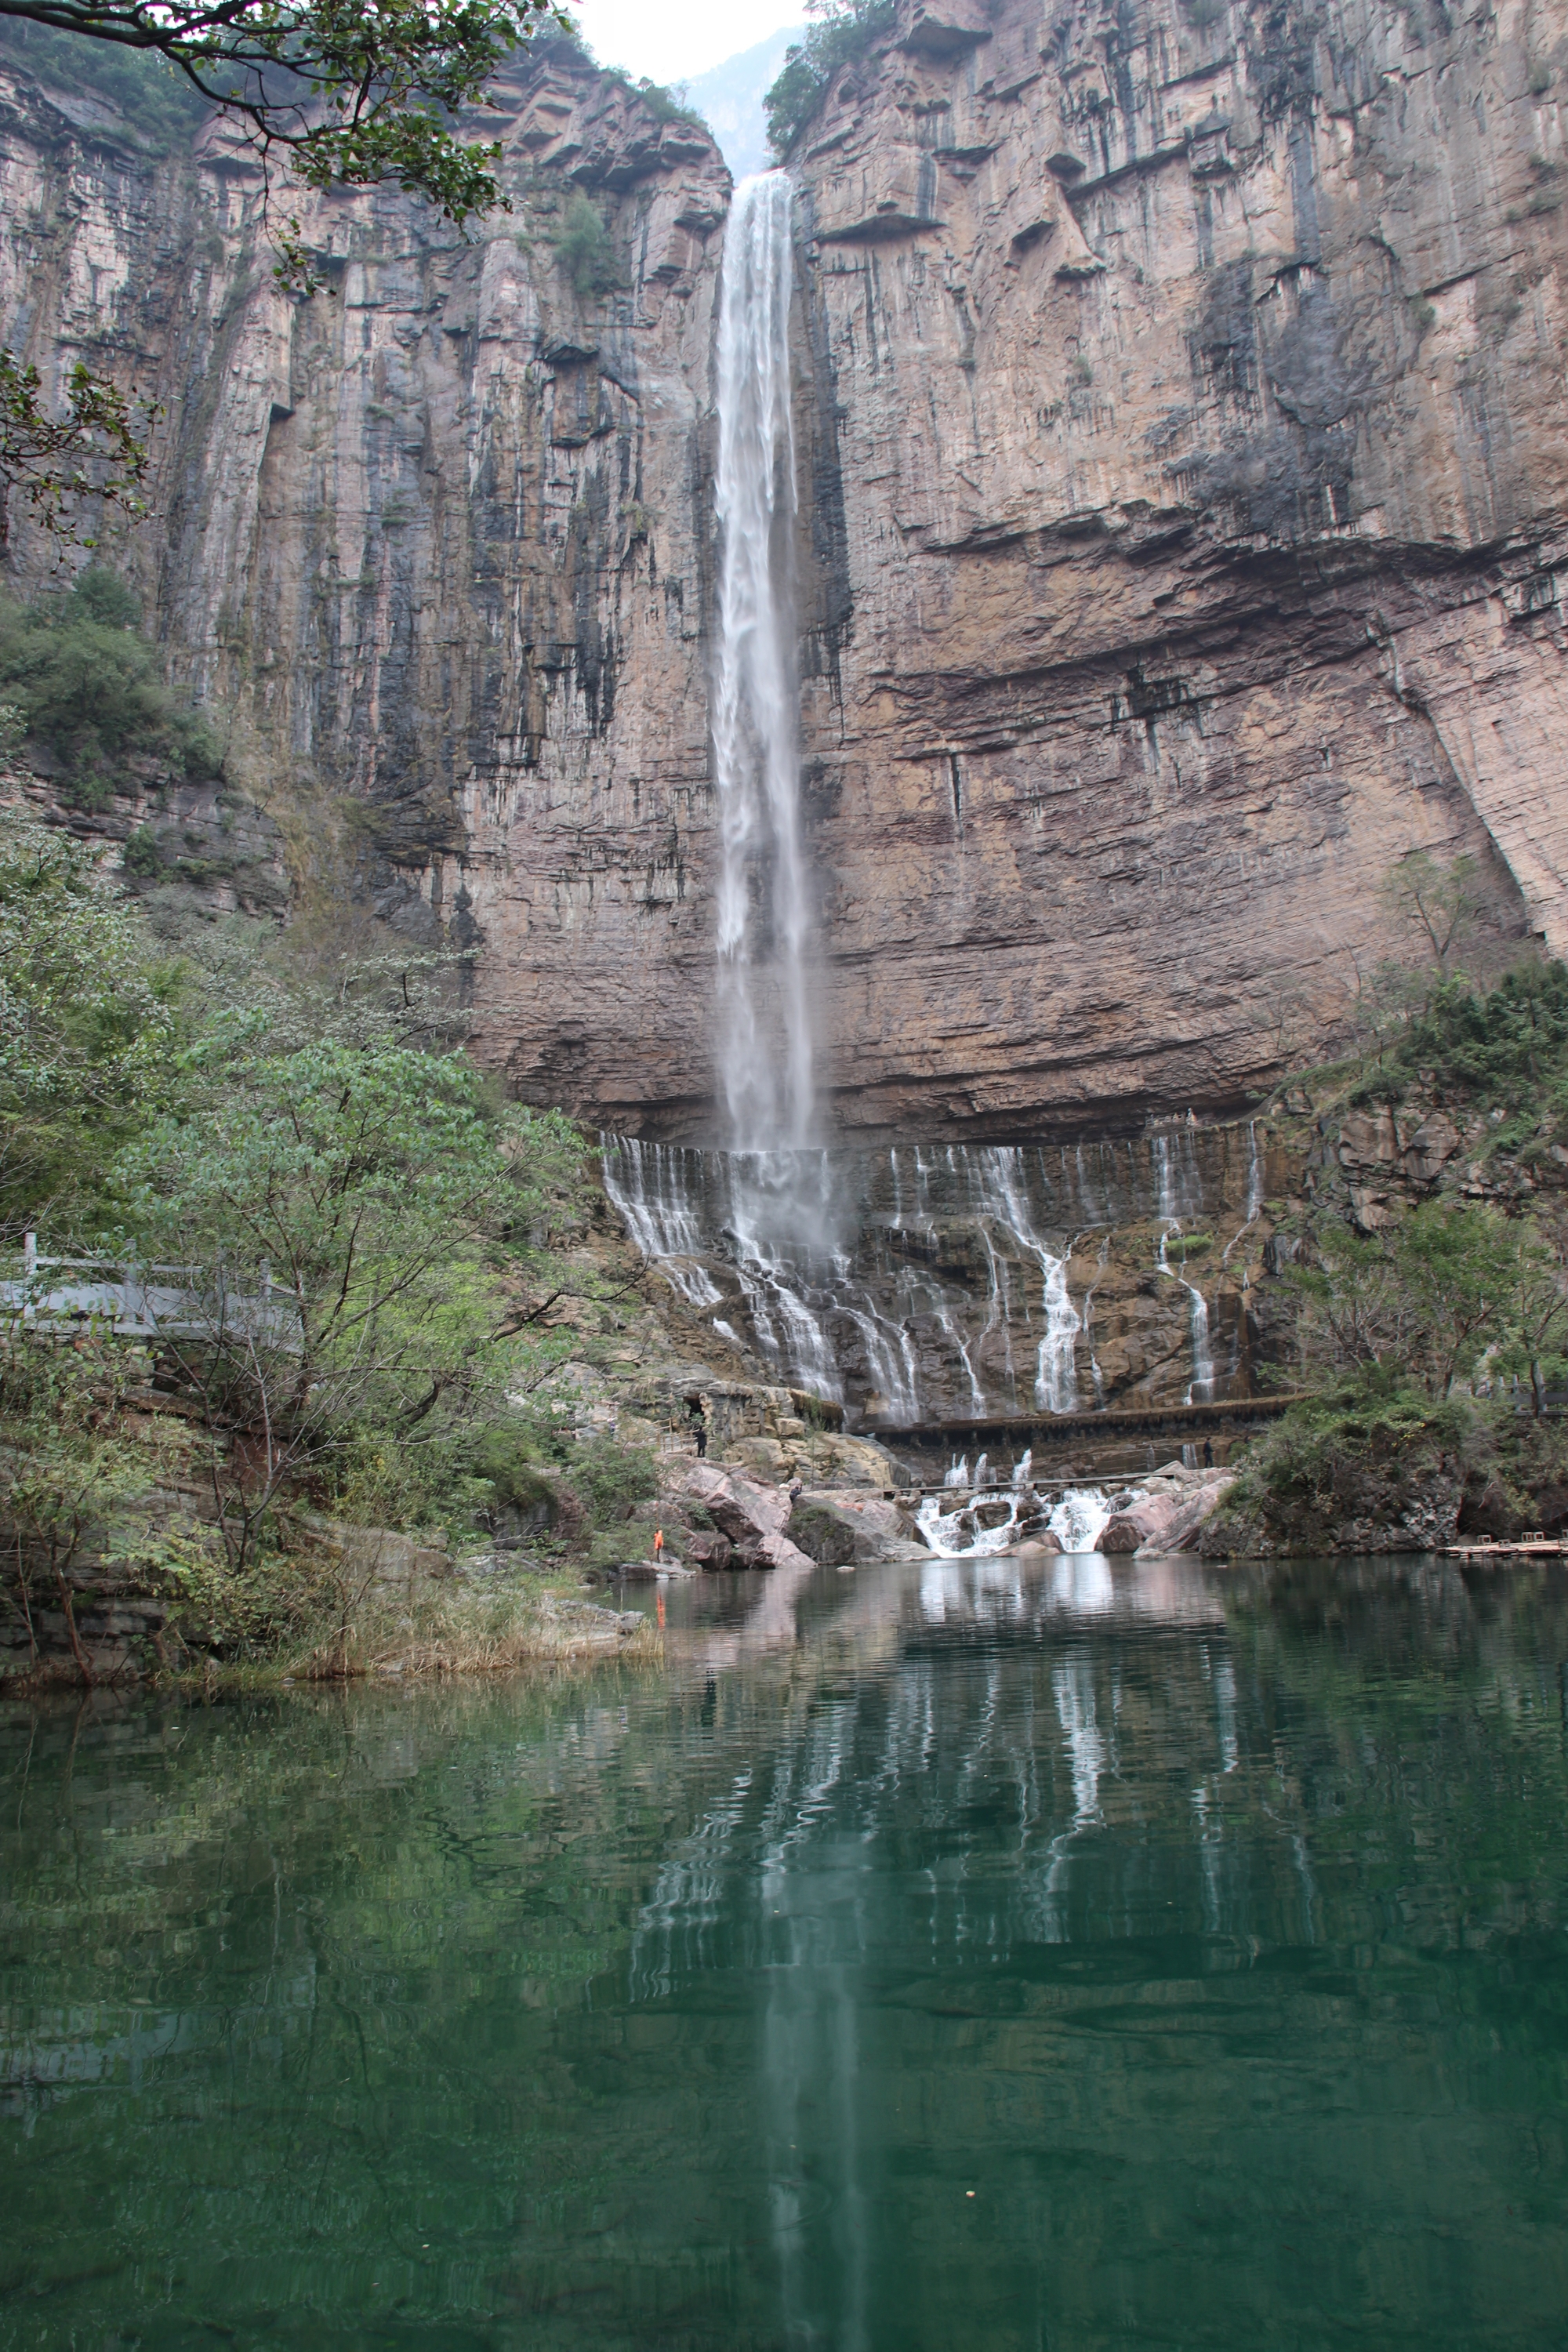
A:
78, 1653
1538, 1387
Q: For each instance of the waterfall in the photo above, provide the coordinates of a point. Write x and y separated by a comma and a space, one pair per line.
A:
1254, 1173
765, 1045
918, 1286
1198, 1320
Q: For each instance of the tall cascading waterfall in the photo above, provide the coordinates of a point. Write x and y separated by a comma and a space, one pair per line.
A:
766, 1058
912, 1285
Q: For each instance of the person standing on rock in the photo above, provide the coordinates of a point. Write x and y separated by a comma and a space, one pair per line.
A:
696, 1407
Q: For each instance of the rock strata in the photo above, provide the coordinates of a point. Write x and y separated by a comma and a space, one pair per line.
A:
1184, 505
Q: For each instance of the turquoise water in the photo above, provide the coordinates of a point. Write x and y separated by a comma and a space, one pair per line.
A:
1056, 1954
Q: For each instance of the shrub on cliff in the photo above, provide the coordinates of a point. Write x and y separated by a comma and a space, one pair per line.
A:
586, 251
340, 1210
1372, 1461
843, 32
1504, 1047
160, 109
85, 685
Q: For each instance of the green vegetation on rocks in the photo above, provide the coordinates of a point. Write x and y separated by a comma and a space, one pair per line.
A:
845, 32
85, 688
357, 1242
586, 250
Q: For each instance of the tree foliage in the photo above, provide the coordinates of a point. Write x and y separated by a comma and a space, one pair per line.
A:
341, 1209
843, 32
350, 92
89, 448
86, 687
87, 1018
586, 250
1440, 905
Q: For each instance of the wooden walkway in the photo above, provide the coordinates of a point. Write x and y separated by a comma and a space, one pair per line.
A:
1184, 1420
1531, 1547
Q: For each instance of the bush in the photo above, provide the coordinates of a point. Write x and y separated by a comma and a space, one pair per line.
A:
1325, 1459
660, 102
586, 251
845, 31
612, 1479
142, 853
1504, 1047
86, 687
86, 1020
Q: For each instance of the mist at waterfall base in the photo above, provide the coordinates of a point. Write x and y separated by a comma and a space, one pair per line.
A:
968, 1956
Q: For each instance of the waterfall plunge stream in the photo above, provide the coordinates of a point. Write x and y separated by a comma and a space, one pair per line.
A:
764, 1048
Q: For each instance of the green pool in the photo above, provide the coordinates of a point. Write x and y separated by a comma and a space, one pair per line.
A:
1052, 1954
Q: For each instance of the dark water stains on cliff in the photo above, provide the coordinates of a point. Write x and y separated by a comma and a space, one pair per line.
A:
828, 598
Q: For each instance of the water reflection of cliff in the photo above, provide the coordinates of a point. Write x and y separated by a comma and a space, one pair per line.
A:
1177, 1912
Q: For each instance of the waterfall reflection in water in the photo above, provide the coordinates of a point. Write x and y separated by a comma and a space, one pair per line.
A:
983, 1953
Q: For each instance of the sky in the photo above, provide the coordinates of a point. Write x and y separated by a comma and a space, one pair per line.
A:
671, 40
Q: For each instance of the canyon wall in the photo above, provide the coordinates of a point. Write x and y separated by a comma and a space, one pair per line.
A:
1190, 458
1185, 500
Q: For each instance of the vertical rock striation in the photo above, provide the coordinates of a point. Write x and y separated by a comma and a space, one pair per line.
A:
1182, 457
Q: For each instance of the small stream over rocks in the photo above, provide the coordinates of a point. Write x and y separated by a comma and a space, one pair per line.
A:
916, 1286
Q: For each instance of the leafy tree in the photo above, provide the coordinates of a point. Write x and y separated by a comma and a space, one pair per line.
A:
1428, 1295
586, 251
343, 1209
844, 31
86, 686
1538, 1321
1459, 1270
55, 458
87, 1018
351, 92
339, 93
1440, 905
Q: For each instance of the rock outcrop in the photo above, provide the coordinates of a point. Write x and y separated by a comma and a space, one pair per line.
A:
1169, 1514
754, 1516
1184, 468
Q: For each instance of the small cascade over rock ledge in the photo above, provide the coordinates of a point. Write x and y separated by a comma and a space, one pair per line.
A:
915, 1286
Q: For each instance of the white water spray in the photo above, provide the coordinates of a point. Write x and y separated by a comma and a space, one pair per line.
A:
765, 1045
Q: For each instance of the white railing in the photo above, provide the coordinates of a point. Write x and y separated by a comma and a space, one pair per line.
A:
147, 1302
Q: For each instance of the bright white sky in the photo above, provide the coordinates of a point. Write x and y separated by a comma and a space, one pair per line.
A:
672, 40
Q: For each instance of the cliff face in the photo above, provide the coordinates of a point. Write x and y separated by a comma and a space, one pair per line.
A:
1184, 501
1190, 462
433, 544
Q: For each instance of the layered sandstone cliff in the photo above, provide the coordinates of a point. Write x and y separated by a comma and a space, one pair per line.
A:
1190, 460
1181, 420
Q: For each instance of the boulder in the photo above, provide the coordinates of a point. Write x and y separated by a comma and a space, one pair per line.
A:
709, 1547
824, 1532
841, 1530
1145, 1526
754, 1516
1181, 1529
